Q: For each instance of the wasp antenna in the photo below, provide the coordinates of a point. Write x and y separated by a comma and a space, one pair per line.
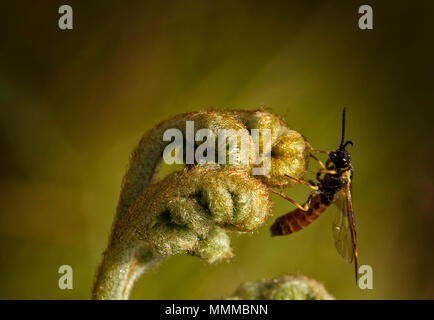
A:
347, 143
343, 130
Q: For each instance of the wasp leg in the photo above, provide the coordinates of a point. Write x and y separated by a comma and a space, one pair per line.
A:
329, 164
307, 184
328, 168
320, 172
309, 200
323, 171
318, 160
284, 196
319, 151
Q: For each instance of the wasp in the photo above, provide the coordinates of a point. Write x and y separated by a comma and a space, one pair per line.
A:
333, 186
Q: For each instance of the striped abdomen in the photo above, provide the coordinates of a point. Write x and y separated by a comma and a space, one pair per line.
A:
298, 219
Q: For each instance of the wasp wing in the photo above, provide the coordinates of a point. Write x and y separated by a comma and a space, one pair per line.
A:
344, 232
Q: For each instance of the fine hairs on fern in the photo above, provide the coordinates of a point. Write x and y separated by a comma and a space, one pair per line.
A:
190, 211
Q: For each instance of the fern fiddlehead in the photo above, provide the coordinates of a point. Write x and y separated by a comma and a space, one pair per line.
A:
191, 210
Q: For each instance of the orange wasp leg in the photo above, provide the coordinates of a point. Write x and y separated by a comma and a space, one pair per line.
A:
318, 160
284, 196
327, 168
319, 151
307, 184
323, 171
324, 168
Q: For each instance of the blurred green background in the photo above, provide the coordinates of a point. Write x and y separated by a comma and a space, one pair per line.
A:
73, 104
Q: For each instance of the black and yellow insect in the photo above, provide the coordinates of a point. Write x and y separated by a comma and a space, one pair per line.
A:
333, 188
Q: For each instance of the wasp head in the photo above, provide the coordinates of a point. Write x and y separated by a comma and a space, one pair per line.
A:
341, 157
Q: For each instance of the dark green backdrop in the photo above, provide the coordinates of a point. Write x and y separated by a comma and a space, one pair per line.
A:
73, 104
